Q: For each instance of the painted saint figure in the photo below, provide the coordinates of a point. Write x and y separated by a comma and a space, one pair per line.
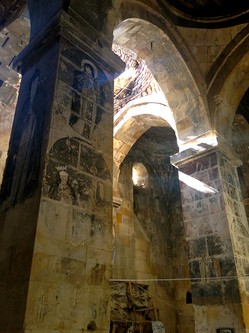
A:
64, 191
86, 93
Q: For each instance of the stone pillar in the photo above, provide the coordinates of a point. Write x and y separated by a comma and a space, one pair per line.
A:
217, 233
56, 211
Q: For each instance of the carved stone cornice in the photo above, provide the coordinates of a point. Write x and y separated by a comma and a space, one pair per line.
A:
86, 37
206, 144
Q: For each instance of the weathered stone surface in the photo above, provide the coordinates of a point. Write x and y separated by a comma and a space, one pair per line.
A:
212, 237
66, 252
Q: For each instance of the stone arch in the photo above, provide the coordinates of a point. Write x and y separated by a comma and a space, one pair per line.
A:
153, 105
228, 81
131, 123
230, 95
142, 30
125, 9
240, 136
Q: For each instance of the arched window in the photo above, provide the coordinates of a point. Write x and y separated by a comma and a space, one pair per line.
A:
140, 176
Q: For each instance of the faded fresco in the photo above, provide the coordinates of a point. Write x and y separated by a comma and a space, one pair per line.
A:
77, 174
23, 165
83, 95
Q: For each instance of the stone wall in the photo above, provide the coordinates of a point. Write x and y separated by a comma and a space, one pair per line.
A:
12, 40
149, 241
240, 140
207, 44
74, 224
212, 223
20, 192
57, 188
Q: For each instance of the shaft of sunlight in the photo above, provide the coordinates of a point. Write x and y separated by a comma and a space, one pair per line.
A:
196, 184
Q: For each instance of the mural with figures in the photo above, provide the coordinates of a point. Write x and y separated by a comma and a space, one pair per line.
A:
84, 93
77, 174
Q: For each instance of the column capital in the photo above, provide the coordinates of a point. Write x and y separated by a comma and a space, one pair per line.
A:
204, 145
81, 34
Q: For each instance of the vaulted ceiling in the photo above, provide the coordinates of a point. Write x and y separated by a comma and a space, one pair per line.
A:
183, 12
210, 8
206, 13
